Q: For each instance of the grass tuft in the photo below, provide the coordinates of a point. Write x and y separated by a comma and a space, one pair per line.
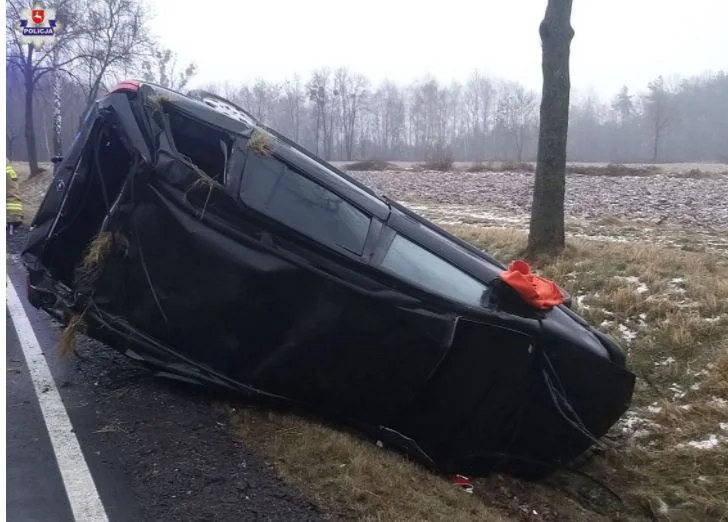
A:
97, 251
67, 342
261, 142
155, 101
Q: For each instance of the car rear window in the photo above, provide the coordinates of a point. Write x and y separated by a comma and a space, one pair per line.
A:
423, 268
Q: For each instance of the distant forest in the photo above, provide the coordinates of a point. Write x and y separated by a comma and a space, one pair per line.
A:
340, 115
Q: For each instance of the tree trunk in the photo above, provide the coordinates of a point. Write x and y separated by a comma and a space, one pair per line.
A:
9, 146
318, 128
546, 234
57, 121
29, 127
520, 144
655, 146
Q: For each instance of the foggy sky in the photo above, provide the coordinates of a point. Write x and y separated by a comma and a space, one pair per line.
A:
617, 41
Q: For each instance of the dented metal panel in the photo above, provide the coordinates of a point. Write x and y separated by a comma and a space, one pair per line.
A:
200, 242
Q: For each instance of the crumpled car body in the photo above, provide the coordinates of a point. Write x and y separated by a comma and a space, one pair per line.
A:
198, 241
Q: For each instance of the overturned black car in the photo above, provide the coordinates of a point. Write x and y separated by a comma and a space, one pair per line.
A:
196, 240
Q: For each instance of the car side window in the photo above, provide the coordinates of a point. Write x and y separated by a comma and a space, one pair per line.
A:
272, 188
423, 268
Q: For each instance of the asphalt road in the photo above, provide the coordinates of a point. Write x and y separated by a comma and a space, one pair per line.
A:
145, 448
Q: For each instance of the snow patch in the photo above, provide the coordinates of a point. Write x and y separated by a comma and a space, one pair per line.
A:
641, 287
718, 402
666, 362
677, 392
629, 279
711, 442
635, 426
627, 334
676, 285
688, 304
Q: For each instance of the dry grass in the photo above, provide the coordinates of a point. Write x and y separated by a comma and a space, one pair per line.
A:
156, 101
67, 341
671, 305
502, 166
97, 251
612, 169
716, 382
353, 479
261, 142
609, 221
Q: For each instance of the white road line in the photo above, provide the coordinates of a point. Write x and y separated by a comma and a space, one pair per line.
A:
80, 488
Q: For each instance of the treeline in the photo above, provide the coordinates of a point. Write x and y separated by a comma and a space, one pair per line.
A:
339, 114
342, 116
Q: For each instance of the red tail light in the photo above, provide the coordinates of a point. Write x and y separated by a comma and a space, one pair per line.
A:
126, 85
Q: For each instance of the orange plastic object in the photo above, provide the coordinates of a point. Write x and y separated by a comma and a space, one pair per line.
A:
539, 292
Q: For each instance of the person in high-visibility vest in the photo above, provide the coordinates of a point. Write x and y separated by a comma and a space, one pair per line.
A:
13, 203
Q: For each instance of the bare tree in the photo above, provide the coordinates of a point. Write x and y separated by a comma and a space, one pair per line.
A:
660, 110
33, 64
623, 105
546, 234
392, 118
478, 100
319, 93
116, 37
14, 112
294, 102
264, 96
160, 67
352, 90
521, 111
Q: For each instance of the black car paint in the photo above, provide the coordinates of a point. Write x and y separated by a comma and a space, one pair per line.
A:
241, 302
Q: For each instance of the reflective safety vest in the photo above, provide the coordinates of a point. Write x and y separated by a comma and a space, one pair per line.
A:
13, 203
